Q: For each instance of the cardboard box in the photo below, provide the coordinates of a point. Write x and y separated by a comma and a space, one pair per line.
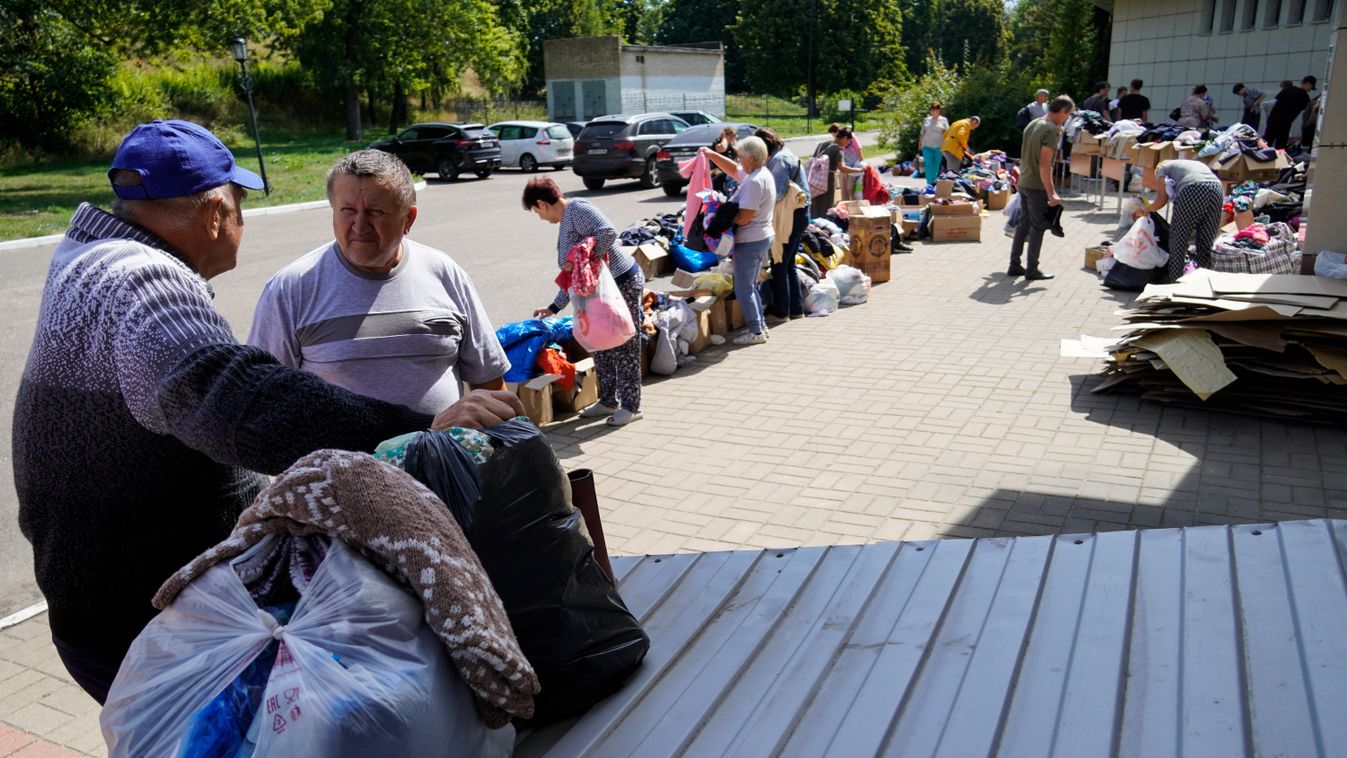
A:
702, 306
955, 209
1094, 254
583, 393
1243, 167
854, 206
1086, 144
871, 243
683, 279
720, 317
653, 259
997, 199
736, 314
1150, 155
536, 395
944, 187
1121, 150
922, 202
910, 227
956, 229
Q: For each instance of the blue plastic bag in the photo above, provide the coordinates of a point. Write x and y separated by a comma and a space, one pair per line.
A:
691, 260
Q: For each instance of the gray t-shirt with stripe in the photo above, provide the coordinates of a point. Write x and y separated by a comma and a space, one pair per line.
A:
410, 336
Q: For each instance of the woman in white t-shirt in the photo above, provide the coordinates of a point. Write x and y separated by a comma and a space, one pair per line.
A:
933, 129
753, 233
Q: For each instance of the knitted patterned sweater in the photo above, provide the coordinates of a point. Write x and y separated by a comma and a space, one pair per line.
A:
140, 423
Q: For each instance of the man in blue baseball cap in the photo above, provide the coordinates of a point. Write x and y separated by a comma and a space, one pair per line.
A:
141, 423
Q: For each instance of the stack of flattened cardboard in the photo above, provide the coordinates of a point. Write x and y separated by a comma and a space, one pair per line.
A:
1264, 344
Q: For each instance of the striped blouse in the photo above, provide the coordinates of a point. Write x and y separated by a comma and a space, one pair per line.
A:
582, 219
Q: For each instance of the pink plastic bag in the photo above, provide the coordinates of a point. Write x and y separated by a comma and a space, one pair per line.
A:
603, 320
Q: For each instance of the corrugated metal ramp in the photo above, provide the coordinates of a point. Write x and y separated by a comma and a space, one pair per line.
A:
1206, 641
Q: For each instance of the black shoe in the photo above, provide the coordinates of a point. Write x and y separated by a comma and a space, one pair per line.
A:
903, 247
1015, 270
1057, 231
1037, 276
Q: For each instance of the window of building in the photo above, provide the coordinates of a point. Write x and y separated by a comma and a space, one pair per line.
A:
1297, 14
1208, 17
1250, 18
1323, 10
1274, 13
1228, 15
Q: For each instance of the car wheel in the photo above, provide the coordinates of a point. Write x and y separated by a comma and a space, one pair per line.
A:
673, 190
593, 183
528, 163
648, 176
447, 168
484, 173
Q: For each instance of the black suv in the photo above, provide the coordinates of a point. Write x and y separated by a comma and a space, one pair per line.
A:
445, 149
685, 146
623, 147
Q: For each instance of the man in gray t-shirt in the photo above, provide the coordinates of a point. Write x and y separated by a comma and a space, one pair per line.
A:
373, 311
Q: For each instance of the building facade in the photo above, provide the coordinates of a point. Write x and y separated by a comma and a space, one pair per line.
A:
1174, 45
596, 76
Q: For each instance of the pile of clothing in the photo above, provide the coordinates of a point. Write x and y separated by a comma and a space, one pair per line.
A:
1090, 122
660, 228
1270, 202
534, 347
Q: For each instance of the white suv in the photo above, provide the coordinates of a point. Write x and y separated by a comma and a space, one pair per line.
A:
530, 144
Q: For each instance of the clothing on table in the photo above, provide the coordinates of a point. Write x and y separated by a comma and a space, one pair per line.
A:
956, 139
819, 204
1196, 218
1185, 174
1133, 105
411, 336
619, 369
757, 193
130, 355
1035, 219
787, 298
404, 530
749, 258
931, 161
1196, 113
1040, 133
582, 219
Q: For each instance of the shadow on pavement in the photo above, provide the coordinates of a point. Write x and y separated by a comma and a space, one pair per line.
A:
999, 289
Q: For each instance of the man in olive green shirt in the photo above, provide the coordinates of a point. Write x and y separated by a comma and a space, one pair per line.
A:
1038, 195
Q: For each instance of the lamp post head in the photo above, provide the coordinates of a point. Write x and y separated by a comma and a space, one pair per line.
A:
239, 47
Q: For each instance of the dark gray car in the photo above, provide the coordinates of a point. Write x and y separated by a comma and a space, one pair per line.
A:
685, 146
623, 147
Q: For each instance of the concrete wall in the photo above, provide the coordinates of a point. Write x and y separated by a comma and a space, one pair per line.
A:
665, 79
1327, 228
1164, 43
582, 58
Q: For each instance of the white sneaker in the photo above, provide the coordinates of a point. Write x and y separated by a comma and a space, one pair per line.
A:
623, 417
596, 410
749, 338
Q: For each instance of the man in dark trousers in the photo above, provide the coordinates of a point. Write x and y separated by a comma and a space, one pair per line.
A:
1040, 208
1291, 102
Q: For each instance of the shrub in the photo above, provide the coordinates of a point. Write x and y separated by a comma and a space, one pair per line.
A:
910, 104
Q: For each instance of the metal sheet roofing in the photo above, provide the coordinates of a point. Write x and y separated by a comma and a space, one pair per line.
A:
1204, 641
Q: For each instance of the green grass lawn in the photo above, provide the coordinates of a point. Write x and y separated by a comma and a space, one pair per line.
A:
39, 199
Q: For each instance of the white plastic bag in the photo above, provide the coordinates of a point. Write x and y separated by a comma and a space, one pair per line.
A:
1330, 264
1139, 248
853, 286
822, 298
603, 320
358, 672
1129, 206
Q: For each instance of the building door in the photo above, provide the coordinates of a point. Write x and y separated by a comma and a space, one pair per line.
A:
563, 101
594, 94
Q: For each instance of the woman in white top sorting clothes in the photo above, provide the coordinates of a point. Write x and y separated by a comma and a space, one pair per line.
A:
753, 233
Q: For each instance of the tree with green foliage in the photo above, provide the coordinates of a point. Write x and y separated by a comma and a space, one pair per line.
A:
536, 21
1069, 57
856, 44
969, 32
690, 21
394, 47
51, 80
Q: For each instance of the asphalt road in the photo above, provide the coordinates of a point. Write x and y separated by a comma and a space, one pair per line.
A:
509, 253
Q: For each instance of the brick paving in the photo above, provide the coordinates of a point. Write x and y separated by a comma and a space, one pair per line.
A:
941, 408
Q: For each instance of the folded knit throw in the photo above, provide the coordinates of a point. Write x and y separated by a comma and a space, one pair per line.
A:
408, 533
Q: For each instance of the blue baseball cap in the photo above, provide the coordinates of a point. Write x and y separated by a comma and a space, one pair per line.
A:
174, 159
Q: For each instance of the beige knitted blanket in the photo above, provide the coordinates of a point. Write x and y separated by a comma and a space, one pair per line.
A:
407, 532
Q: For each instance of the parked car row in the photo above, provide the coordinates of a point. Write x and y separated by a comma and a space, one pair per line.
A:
608, 147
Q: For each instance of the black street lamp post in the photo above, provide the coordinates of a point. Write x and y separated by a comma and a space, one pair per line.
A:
239, 46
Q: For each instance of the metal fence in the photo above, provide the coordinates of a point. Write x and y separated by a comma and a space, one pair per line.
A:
486, 110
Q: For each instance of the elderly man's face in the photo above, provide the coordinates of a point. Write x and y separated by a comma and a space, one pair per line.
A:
368, 223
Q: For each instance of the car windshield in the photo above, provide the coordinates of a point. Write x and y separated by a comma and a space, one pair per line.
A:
558, 132
601, 131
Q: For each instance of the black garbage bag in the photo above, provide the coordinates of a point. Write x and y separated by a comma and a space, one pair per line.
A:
516, 513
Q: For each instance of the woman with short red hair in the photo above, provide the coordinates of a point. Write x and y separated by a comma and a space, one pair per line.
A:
619, 369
